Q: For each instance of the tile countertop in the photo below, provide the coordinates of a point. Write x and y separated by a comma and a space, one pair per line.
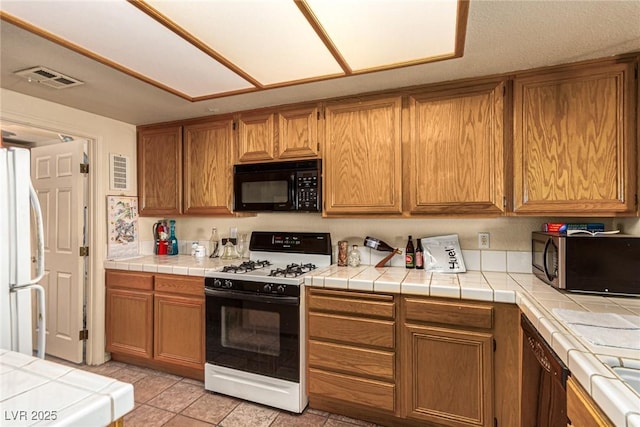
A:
36, 392
590, 364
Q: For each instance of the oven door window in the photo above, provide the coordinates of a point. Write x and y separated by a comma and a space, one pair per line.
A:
253, 336
250, 330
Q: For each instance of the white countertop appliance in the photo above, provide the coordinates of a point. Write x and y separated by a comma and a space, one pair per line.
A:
255, 328
17, 196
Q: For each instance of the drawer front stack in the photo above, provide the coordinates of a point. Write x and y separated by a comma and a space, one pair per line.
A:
351, 348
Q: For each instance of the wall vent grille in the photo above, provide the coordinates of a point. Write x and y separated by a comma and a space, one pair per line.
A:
119, 172
48, 77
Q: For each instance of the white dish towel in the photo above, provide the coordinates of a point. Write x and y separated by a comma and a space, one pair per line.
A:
605, 329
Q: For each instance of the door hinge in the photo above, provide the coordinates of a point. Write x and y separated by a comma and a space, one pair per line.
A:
318, 115
84, 250
495, 422
504, 91
318, 149
494, 345
83, 335
504, 202
84, 167
234, 125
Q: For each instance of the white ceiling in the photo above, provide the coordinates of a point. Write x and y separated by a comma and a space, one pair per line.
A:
501, 36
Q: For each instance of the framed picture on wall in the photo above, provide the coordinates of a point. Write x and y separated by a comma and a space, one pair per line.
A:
122, 227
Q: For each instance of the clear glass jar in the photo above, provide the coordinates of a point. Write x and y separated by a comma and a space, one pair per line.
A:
354, 256
214, 243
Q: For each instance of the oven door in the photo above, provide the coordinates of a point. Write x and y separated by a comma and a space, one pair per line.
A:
254, 333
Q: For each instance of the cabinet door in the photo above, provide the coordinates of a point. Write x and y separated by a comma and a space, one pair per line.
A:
298, 133
574, 149
581, 409
129, 322
160, 171
256, 137
208, 168
179, 330
448, 376
363, 165
457, 151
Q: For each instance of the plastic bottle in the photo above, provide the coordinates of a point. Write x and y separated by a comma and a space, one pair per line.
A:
409, 254
419, 255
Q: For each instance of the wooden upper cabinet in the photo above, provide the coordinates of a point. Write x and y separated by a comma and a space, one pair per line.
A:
574, 143
362, 157
457, 151
256, 137
160, 171
286, 134
208, 168
298, 135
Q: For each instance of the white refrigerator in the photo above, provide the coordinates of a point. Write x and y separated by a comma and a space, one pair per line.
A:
18, 201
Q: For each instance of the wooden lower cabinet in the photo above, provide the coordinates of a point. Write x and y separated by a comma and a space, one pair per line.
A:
460, 362
351, 360
130, 322
178, 332
157, 321
448, 376
582, 411
413, 361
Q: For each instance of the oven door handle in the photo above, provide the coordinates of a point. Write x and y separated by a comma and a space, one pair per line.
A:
243, 296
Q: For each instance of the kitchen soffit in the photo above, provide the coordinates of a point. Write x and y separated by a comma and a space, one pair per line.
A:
208, 49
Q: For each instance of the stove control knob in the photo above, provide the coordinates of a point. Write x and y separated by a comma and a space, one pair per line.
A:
227, 284
267, 288
217, 283
281, 289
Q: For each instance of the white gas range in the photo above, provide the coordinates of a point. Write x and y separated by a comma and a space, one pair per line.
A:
255, 329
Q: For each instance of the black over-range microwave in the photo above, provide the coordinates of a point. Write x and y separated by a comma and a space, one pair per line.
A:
278, 186
604, 264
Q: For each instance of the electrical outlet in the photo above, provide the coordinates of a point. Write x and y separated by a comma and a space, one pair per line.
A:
483, 240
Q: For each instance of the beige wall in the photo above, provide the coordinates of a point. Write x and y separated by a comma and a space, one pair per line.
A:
106, 136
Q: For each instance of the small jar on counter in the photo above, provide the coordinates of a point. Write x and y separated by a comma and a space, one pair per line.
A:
342, 253
354, 257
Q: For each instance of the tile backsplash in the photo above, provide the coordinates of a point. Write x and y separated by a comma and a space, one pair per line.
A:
474, 260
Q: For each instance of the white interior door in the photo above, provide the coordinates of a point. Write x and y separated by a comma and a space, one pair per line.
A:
56, 176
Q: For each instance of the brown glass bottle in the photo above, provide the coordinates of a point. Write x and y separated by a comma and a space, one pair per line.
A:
409, 255
419, 258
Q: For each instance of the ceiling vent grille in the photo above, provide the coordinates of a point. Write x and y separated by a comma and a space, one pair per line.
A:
48, 77
119, 172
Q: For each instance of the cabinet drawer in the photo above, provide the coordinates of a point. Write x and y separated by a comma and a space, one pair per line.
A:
180, 284
352, 303
351, 330
449, 313
352, 360
125, 279
371, 393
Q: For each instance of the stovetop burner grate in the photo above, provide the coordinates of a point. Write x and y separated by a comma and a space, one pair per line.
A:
292, 270
245, 266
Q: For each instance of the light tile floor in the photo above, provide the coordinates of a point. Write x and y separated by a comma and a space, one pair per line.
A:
167, 400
